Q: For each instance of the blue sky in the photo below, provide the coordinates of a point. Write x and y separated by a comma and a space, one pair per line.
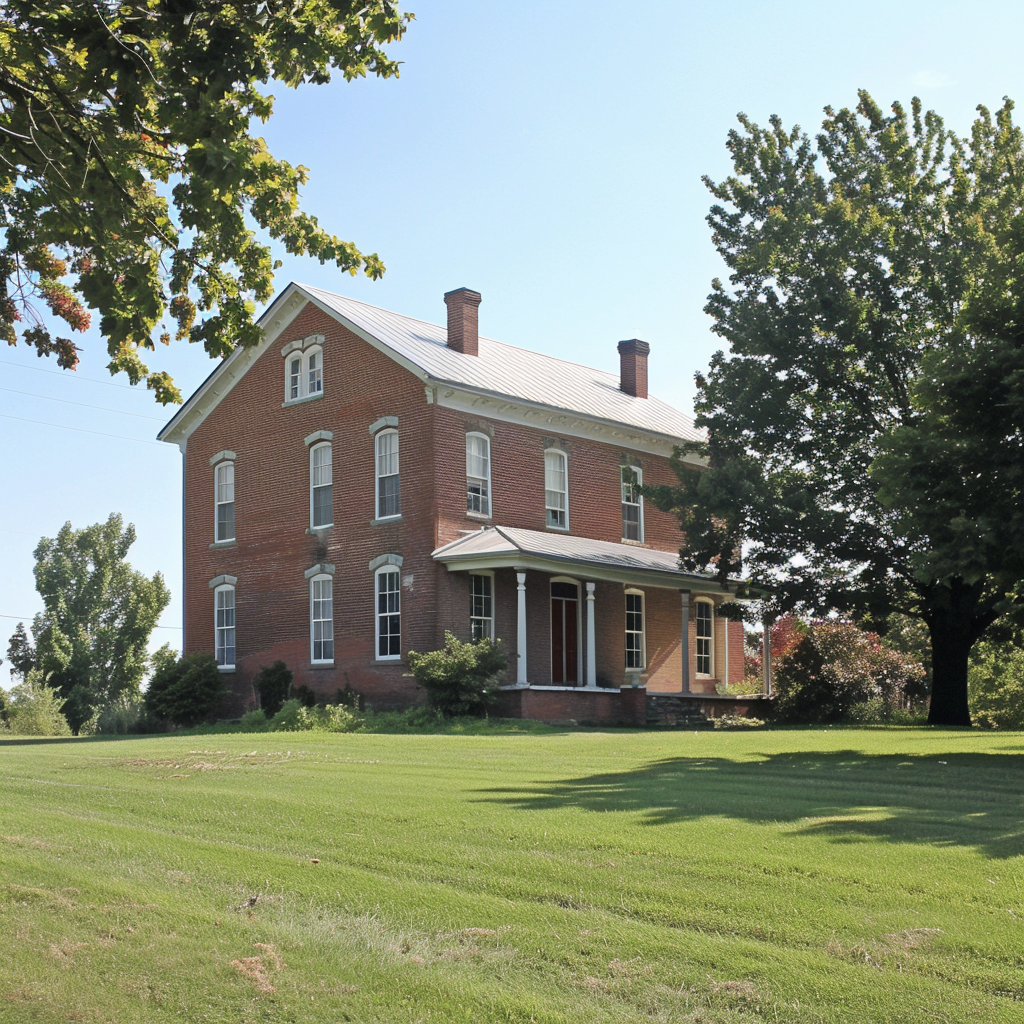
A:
547, 154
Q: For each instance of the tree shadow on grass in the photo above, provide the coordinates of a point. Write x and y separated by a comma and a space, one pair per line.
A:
967, 800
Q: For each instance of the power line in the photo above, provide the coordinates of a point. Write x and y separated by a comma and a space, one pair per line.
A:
81, 430
71, 375
24, 617
82, 405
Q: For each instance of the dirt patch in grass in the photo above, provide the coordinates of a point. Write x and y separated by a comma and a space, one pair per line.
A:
259, 969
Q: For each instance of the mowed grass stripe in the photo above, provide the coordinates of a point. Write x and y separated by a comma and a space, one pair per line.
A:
561, 876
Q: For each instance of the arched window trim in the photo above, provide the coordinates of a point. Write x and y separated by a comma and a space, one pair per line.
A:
638, 504
379, 615
482, 497
224, 502
378, 511
634, 592
710, 640
323, 640
548, 508
224, 630
314, 486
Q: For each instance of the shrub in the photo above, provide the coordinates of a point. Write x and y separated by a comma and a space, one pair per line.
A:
273, 683
254, 721
34, 709
123, 716
462, 678
295, 716
304, 695
837, 671
995, 685
185, 692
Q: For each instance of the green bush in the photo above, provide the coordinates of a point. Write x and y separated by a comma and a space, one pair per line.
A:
995, 685
273, 683
254, 721
294, 716
34, 709
838, 672
462, 678
185, 692
126, 715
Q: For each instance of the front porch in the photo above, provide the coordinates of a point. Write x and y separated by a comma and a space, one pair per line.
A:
588, 621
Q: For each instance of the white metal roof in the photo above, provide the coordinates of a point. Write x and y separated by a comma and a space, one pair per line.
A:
517, 373
495, 546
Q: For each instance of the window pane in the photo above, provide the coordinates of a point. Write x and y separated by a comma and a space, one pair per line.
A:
323, 506
481, 615
388, 497
315, 376
388, 615
634, 631
554, 488
226, 521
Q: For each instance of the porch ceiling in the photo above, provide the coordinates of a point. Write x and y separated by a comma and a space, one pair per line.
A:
499, 547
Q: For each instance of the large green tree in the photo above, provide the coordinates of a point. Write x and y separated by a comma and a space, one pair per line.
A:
91, 639
870, 270
129, 180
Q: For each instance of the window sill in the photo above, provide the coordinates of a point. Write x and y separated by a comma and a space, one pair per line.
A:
557, 529
299, 401
484, 517
396, 660
633, 543
225, 668
321, 664
385, 520
224, 544
320, 529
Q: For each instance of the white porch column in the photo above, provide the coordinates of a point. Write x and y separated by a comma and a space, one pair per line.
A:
685, 594
725, 650
521, 634
766, 657
591, 638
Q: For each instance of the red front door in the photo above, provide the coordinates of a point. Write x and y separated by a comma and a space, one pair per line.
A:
564, 639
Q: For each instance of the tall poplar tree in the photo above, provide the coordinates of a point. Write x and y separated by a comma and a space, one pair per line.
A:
869, 317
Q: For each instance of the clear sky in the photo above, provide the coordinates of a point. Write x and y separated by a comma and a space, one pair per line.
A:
547, 154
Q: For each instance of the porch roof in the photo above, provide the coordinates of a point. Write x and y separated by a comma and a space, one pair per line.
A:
495, 547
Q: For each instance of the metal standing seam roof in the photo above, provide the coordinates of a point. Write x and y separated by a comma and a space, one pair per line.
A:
516, 373
498, 541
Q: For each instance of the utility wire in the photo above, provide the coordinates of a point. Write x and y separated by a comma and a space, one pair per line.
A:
81, 430
99, 408
71, 375
24, 617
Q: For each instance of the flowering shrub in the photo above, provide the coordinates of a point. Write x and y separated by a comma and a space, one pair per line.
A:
295, 716
836, 671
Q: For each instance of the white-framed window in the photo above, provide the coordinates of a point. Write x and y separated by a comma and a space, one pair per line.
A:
304, 369
321, 489
314, 371
388, 585
478, 474
704, 612
481, 606
224, 501
632, 503
636, 647
321, 619
224, 626
388, 490
556, 488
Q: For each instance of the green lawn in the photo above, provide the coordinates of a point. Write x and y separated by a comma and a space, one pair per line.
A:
847, 875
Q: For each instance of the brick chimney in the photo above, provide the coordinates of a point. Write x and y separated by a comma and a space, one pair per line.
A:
633, 367
463, 332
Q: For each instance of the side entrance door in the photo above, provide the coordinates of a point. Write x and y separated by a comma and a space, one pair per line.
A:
564, 634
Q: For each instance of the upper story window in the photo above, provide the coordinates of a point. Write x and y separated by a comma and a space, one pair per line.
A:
303, 368
705, 615
478, 474
556, 489
389, 613
321, 618
635, 650
481, 606
224, 501
321, 489
386, 458
632, 503
224, 626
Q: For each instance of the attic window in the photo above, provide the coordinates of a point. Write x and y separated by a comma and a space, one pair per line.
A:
303, 369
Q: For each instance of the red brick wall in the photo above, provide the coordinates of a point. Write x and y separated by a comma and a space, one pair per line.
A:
587, 707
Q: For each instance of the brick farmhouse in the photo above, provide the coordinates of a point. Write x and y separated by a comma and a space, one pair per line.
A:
361, 482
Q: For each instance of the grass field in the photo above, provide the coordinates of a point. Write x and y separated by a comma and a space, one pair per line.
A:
847, 875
